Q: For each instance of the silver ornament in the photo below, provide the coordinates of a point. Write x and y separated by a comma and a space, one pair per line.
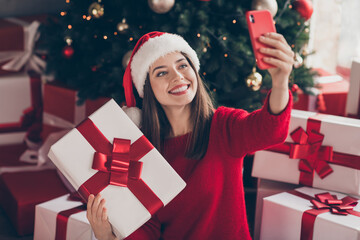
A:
126, 58
270, 5
161, 6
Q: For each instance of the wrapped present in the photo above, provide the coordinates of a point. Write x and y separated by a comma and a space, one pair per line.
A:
62, 218
21, 191
313, 102
321, 151
309, 213
61, 110
17, 41
107, 153
353, 97
266, 188
20, 106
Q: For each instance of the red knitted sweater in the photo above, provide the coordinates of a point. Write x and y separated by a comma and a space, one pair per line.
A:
212, 205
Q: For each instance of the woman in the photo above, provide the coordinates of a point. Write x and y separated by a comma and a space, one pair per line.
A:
205, 146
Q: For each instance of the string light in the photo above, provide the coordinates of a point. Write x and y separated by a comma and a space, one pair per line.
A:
198, 35
204, 73
67, 1
63, 14
292, 45
226, 55
306, 30
105, 37
131, 38
69, 26
95, 36
224, 38
115, 33
234, 21
88, 18
290, 6
214, 90
298, 23
204, 49
84, 16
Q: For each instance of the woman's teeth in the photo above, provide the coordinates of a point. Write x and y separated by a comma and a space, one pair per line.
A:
180, 89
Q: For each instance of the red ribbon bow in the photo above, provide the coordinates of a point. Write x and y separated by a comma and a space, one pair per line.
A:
313, 156
336, 206
323, 202
118, 164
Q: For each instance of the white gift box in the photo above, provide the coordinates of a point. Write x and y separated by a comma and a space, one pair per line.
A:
73, 155
15, 99
266, 188
353, 97
282, 218
78, 227
343, 134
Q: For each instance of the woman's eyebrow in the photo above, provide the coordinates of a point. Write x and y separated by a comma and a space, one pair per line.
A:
179, 60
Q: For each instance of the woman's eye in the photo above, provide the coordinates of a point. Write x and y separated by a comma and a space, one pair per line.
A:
160, 74
183, 65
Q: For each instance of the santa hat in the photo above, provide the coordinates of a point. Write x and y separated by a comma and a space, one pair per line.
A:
147, 50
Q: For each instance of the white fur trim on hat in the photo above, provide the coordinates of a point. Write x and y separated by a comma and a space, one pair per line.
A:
153, 49
134, 114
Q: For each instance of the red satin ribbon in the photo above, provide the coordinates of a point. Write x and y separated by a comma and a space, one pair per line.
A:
30, 113
118, 164
322, 203
62, 220
313, 156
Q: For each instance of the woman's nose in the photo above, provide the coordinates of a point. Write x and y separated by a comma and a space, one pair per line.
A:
177, 75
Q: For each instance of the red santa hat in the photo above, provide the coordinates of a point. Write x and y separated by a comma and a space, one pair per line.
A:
147, 50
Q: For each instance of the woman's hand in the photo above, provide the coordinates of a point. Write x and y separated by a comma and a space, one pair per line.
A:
97, 216
280, 55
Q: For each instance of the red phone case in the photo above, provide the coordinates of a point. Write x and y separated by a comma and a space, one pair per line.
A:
259, 23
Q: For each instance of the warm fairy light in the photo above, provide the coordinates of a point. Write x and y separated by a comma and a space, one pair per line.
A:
204, 73
63, 13
140, 27
204, 49
274, 22
292, 45
226, 55
290, 6
198, 35
224, 38
88, 18
131, 38
69, 26
95, 36
298, 23
214, 90
67, 1
234, 21
105, 37
306, 30
84, 16
115, 33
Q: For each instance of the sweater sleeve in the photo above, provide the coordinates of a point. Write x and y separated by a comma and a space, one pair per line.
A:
149, 231
244, 132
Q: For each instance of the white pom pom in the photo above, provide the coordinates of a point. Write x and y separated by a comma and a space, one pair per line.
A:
134, 114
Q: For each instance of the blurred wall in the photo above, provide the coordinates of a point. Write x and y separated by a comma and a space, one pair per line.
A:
14, 8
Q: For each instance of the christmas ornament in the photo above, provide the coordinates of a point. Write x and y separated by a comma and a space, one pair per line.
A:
122, 26
298, 60
270, 5
294, 87
68, 40
96, 10
68, 51
304, 8
254, 80
161, 6
126, 58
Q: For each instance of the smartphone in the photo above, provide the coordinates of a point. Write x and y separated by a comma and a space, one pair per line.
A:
259, 22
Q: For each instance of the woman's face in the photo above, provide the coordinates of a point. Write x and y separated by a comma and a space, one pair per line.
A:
173, 80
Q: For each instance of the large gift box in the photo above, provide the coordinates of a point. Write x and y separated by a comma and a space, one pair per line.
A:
321, 151
17, 40
107, 153
22, 191
309, 213
62, 218
353, 98
20, 106
266, 188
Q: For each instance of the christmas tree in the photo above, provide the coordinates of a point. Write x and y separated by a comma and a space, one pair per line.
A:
89, 44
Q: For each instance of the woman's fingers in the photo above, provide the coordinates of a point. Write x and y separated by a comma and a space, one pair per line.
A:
277, 41
99, 211
89, 206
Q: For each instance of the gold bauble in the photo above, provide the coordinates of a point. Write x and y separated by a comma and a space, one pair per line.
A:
270, 5
126, 58
122, 26
161, 6
298, 60
96, 10
254, 80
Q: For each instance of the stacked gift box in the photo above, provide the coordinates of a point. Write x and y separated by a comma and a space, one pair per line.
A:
353, 97
321, 152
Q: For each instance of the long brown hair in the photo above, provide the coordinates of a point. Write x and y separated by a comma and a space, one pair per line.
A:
156, 126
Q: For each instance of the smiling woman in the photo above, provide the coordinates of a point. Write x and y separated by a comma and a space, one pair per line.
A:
205, 146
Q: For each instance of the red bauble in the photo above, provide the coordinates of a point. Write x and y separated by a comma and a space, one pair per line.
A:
304, 8
68, 51
294, 87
